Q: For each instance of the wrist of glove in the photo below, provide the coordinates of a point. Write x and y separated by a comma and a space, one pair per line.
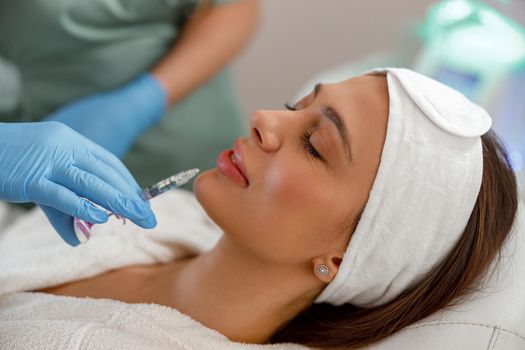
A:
115, 119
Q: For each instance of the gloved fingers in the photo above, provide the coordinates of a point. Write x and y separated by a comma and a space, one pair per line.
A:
100, 192
114, 162
109, 161
64, 200
62, 223
110, 176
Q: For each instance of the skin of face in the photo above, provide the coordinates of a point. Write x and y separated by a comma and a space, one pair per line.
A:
298, 209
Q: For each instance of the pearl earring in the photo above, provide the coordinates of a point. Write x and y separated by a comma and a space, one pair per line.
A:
323, 270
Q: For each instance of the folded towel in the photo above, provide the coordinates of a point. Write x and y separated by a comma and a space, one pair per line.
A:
33, 256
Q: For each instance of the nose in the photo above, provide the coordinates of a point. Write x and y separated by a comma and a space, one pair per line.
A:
266, 129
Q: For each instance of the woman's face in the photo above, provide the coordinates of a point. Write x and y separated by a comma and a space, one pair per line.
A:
301, 177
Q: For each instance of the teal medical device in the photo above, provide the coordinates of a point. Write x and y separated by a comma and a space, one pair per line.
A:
467, 45
473, 48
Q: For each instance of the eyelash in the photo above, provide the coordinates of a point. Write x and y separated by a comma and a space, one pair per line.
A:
305, 139
310, 149
289, 107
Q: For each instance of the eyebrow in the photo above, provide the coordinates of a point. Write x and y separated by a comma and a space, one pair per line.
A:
336, 119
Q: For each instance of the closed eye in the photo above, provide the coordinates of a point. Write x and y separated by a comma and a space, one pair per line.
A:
309, 148
305, 139
289, 107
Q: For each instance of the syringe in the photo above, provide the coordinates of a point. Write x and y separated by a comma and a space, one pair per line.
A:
171, 182
83, 228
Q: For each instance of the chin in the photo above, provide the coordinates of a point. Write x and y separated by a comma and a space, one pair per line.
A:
220, 198
204, 185
209, 193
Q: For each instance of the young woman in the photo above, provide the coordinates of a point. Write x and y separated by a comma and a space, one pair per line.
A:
367, 206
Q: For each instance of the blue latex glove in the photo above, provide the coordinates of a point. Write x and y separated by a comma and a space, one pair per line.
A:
53, 166
115, 119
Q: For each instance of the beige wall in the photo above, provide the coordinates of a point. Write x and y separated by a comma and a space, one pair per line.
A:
297, 38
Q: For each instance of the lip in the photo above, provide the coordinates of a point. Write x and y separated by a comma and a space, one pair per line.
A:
235, 170
239, 159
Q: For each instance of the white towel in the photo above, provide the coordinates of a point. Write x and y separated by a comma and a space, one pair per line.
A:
33, 256
45, 321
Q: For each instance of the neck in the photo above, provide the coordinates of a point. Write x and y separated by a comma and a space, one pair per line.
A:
244, 298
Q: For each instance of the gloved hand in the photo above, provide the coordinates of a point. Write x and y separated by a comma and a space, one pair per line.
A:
115, 119
52, 165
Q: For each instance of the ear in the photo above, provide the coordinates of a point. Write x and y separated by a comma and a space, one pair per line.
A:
331, 261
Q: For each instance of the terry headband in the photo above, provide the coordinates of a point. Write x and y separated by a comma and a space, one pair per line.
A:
422, 197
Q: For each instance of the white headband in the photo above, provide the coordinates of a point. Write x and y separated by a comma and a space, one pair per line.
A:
423, 194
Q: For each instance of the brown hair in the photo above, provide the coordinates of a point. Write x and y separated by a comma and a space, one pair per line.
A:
460, 273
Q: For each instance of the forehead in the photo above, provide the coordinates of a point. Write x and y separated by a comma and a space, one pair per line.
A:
363, 95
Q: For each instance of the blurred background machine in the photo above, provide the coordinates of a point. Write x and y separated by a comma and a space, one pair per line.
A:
476, 47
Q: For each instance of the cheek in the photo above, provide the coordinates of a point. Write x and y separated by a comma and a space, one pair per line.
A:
290, 215
305, 191
288, 186
300, 212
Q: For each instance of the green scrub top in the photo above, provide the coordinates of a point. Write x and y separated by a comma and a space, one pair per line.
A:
55, 51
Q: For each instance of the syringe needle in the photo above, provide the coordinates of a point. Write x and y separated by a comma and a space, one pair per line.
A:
171, 182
